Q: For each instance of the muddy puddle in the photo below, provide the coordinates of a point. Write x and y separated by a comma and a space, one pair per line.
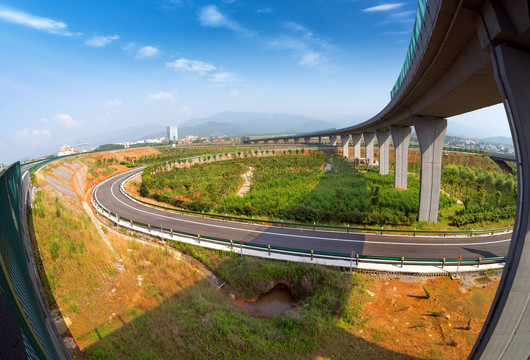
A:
276, 302
484, 280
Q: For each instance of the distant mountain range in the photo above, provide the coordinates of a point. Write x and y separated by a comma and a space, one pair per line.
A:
455, 128
252, 123
497, 140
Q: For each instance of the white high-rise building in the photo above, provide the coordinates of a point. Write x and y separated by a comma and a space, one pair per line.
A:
172, 133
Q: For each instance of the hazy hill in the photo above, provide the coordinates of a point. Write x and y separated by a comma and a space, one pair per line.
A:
127, 134
250, 123
497, 140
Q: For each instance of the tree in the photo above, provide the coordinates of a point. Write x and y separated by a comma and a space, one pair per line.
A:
144, 191
374, 195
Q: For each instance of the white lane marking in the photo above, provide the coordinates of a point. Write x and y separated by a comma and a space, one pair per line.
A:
300, 236
23, 176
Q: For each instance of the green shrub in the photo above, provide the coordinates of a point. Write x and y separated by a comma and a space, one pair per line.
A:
427, 293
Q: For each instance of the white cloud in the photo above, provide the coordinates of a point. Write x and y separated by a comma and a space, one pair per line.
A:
44, 120
234, 93
311, 50
188, 65
66, 120
403, 14
130, 46
112, 104
263, 10
170, 4
147, 52
222, 78
36, 22
101, 41
215, 75
144, 52
33, 137
162, 95
184, 109
312, 59
383, 7
211, 16
109, 108
397, 33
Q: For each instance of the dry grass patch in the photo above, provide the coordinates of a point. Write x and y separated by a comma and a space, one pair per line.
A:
81, 274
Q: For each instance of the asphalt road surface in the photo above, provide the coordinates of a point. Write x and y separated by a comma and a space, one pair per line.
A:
426, 247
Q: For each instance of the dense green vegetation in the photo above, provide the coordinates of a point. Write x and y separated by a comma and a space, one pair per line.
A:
322, 187
341, 194
279, 184
487, 195
291, 187
199, 187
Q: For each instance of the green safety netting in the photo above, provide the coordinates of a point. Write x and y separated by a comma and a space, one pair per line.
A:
23, 332
416, 32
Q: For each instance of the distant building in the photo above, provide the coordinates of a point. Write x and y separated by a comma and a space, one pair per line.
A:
155, 141
191, 138
66, 150
172, 133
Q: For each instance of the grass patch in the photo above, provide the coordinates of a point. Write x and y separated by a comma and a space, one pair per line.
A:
200, 322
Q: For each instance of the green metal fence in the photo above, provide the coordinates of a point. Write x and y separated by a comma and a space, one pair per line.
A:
416, 32
22, 321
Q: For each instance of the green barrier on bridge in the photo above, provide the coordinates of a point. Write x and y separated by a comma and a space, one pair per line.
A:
23, 324
413, 45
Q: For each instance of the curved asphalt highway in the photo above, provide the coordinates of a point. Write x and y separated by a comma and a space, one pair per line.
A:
110, 197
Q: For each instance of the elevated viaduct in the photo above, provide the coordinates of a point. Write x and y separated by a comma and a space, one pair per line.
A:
464, 55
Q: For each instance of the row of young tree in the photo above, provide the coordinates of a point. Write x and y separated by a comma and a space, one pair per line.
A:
171, 155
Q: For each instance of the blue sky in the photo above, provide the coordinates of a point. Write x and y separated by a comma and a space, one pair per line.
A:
72, 69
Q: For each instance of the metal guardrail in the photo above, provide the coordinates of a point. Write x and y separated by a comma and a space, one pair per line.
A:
348, 259
316, 226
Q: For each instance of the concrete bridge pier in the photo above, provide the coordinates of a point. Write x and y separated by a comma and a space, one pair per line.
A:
345, 138
320, 140
356, 139
383, 138
401, 139
369, 144
307, 140
333, 140
431, 134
